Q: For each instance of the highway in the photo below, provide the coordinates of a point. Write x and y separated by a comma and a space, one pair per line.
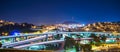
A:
25, 41
40, 36
39, 43
3, 37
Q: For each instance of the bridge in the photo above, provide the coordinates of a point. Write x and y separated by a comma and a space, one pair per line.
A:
45, 38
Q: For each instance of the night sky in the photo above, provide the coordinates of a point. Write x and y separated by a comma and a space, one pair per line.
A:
57, 11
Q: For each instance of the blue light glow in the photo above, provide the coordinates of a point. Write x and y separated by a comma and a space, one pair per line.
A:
14, 33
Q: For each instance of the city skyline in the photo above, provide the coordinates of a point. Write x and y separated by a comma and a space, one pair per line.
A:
57, 11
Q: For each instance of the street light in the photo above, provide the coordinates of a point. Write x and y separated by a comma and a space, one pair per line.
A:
87, 29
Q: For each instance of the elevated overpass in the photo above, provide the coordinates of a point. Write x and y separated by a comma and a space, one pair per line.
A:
12, 39
37, 37
39, 43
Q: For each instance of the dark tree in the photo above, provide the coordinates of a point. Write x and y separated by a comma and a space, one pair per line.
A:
117, 39
86, 47
69, 42
0, 44
103, 38
95, 38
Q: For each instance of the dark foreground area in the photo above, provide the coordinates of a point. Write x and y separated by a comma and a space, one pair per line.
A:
14, 50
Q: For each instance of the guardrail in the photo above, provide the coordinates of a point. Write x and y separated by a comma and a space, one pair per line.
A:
15, 50
3, 37
39, 43
25, 41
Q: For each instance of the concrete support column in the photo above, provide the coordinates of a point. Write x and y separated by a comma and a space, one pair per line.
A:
53, 36
25, 37
46, 37
62, 45
62, 36
69, 35
13, 40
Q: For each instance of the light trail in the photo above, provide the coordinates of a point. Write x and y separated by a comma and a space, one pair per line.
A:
47, 42
26, 41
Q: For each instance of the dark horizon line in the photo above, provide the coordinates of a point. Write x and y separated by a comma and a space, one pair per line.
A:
57, 23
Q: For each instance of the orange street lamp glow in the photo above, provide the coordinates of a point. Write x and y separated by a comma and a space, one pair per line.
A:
87, 29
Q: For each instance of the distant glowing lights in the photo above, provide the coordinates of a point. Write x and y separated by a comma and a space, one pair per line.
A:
87, 29
15, 33
71, 25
